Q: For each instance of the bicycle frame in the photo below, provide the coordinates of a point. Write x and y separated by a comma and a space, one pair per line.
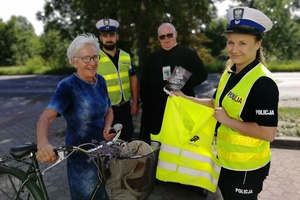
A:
20, 174
35, 172
26, 170
31, 179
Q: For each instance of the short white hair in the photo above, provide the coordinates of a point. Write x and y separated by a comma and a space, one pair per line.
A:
80, 42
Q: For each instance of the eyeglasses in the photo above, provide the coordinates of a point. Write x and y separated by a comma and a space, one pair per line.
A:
87, 59
162, 37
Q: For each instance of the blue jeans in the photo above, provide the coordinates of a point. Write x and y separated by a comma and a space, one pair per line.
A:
83, 177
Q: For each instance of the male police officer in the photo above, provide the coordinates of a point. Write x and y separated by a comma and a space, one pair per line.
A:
122, 83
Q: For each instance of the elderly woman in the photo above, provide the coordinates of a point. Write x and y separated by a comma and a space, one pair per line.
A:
82, 99
246, 107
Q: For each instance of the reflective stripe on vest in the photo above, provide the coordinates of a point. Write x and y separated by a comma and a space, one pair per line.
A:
186, 155
118, 82
237, 151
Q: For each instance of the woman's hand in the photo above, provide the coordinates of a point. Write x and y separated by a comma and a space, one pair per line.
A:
177, 93
45, 153
107, 134
221, 115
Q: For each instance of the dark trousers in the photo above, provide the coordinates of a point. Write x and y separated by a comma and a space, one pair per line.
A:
122, 115
242, 185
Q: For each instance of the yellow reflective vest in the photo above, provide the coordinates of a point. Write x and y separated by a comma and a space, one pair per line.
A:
118, 82
186, 155
236, 151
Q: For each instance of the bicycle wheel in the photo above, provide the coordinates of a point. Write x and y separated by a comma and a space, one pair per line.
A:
11, 185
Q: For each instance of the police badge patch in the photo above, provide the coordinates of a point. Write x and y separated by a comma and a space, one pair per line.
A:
106, 22
238, 15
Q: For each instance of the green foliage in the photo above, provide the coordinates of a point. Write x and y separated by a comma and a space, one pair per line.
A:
289, 119
196, 22
54, 50
283, 66
19, 41
282, 41
35, 65
218, 65
215, 66
217, 40
139, 20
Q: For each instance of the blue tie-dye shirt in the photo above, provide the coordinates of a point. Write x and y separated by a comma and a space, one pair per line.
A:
83, 105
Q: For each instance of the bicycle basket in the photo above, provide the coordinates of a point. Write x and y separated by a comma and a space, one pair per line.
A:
134, 178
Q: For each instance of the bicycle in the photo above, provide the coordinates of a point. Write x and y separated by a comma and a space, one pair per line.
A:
21, 177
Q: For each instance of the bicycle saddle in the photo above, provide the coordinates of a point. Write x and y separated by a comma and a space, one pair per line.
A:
22, 150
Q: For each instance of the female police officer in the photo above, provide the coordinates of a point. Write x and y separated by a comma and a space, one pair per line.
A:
246, 107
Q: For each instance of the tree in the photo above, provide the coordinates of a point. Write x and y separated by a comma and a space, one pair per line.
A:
54, 50
139, 20
215, 31
20, 43
282, 41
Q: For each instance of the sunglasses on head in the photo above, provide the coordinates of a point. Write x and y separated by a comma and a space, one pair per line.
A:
162, 37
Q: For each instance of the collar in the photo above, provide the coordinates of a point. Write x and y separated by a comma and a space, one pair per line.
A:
246, 69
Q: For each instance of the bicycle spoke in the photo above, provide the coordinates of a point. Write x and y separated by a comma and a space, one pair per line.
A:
12, 188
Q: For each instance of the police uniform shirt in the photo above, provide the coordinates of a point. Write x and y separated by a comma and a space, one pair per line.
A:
263, 96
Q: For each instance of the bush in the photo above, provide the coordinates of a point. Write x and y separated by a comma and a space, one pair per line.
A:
215, 66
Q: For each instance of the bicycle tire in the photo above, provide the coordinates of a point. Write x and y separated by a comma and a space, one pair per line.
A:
11, 180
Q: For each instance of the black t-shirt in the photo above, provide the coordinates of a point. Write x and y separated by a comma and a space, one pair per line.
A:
262, 99
115, 60
152, 82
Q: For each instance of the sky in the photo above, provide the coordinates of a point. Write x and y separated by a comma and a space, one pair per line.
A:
25, 8
29, 8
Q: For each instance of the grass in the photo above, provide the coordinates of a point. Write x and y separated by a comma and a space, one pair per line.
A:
273, 65
26, 70
283, 66
35, 66
288, 122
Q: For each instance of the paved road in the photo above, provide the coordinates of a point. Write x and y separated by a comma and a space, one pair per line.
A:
22, 99
288, 84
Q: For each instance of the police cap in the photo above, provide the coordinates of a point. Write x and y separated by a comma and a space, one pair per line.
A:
107, 25
247, 20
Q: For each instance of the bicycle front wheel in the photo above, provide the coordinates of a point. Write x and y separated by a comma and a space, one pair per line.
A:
12, 185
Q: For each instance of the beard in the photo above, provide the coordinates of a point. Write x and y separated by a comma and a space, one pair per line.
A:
109, 47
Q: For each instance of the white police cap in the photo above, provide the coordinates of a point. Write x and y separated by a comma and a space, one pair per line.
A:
247, 20
107, 25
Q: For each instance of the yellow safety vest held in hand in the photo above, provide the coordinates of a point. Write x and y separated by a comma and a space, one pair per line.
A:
236, 151
186, 155
118, 83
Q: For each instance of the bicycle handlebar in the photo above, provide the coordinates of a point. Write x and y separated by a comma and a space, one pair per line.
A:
64, 151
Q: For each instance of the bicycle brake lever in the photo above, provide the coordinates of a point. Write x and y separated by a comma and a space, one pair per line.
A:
116, 137
61, 157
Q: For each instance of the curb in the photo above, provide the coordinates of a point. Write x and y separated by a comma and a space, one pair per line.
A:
286, 142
